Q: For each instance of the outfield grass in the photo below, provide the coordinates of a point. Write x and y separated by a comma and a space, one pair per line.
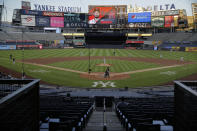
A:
58, 77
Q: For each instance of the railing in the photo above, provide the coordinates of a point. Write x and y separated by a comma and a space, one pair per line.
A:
104, 116
185, 94
19, 105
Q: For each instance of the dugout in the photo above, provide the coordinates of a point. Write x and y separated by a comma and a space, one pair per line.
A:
112, 39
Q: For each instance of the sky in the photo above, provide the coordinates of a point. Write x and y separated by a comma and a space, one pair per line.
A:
16, 4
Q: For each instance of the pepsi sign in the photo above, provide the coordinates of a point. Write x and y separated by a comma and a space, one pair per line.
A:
144, 17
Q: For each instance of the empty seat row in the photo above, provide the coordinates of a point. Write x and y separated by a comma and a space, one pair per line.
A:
150, 114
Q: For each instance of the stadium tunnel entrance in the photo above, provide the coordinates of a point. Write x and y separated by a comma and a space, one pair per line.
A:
115, 39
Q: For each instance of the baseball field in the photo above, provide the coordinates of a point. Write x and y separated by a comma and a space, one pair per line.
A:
128, 68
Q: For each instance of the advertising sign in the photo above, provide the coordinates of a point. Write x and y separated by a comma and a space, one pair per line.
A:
157, 22
75, 20
25, 5
172, 12
165, 13
57, 21
47, 13
31, 12
144, 17
7, 47
176, 22
102, 15
139, 25
194, 8
158, 13
121, 11
28, 20
191, 49
43, 21
169, 21
69, 9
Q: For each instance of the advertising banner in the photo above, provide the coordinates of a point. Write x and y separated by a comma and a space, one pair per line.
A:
47, 13
158, 13
194, 9
165, 13
7, 47
191, 49
169, 21
139, 25
57, 21
28, 20
121, 11
25, 5
43, 21
172, 12
144, 17
102, 15
157, 21
176, 22
75, 20
31, 12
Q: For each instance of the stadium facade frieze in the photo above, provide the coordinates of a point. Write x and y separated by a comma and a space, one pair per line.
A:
57, 8
81, 6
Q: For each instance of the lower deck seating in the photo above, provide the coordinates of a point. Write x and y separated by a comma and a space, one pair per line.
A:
146, 114
64, 113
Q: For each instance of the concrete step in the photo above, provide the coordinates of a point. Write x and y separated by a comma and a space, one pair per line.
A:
95, 122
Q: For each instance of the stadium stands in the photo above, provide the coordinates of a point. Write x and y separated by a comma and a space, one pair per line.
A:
150, 114
29, 36
4, 76
64, 113
174, 37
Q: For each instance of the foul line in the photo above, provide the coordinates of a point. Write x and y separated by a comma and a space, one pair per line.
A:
115, 74
58, 68
144, 70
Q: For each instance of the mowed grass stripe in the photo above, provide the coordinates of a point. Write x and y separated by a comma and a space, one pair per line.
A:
69, 79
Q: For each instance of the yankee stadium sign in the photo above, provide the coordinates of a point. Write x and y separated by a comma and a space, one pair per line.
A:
57, 9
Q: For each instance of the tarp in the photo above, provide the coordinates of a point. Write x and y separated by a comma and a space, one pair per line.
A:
144, 17
28, 20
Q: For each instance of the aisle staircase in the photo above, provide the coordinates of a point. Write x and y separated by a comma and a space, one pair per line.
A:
104, 119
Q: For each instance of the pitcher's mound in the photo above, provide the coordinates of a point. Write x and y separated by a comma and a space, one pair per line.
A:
102, 64
100, 76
